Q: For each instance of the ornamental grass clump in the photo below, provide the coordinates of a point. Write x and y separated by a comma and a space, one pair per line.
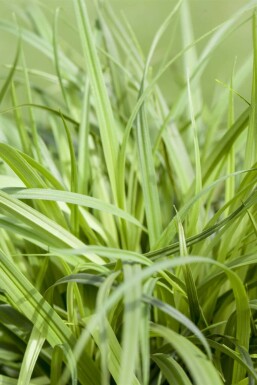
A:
128, 221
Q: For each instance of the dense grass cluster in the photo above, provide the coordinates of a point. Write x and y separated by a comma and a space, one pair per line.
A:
128, 226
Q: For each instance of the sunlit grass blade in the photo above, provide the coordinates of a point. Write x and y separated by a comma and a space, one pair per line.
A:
102, 103
196, 212
132, 319
33, 349
30, 302
107, 363
74, 198
24, 137
230, 183
145, 345
149, 185
225, 144
250, 150
74, 179
53, 233
83, 149
126, 286
30, 178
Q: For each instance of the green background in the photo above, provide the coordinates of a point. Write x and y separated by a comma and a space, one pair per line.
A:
145, 16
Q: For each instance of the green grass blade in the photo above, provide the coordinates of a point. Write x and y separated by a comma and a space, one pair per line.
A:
250, 156
33, 349
126, 287
83, 149
9, 78
193, 301
30, 302
33, 126
201, 369
132, 319
225, 144
171, 370
102, 102
30, 178
77, 199
149, 184
52, 233
107, 364
195, 217
56, 58
56, 364
24, 137
74, 179
44, 108
230, 183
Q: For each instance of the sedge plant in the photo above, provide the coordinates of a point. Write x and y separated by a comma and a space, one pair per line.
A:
128, 222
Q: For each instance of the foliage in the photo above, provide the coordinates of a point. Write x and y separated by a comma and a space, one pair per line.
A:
128, 225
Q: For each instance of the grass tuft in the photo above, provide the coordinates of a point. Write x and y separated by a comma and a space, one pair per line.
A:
127, 212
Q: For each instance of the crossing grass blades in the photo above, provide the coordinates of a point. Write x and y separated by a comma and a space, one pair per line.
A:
128, 235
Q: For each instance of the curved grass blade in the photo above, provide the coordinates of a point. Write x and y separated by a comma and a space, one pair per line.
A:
31, 303
242, 306
51, 233
9, 78
236, 356
193, 300
126, 286
77, 199
42, 107
30, 178
150, 87
106, 252
23, 134
170, 231
177, 315
225, 144
171, 370
200, 368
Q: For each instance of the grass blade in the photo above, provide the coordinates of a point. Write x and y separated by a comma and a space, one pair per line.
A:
102, 103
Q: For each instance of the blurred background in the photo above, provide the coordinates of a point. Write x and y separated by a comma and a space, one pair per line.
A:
144, 17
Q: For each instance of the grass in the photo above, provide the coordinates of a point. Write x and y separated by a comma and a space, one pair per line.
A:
128, 224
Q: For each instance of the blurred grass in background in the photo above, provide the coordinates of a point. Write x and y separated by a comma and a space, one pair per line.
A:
144, 17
